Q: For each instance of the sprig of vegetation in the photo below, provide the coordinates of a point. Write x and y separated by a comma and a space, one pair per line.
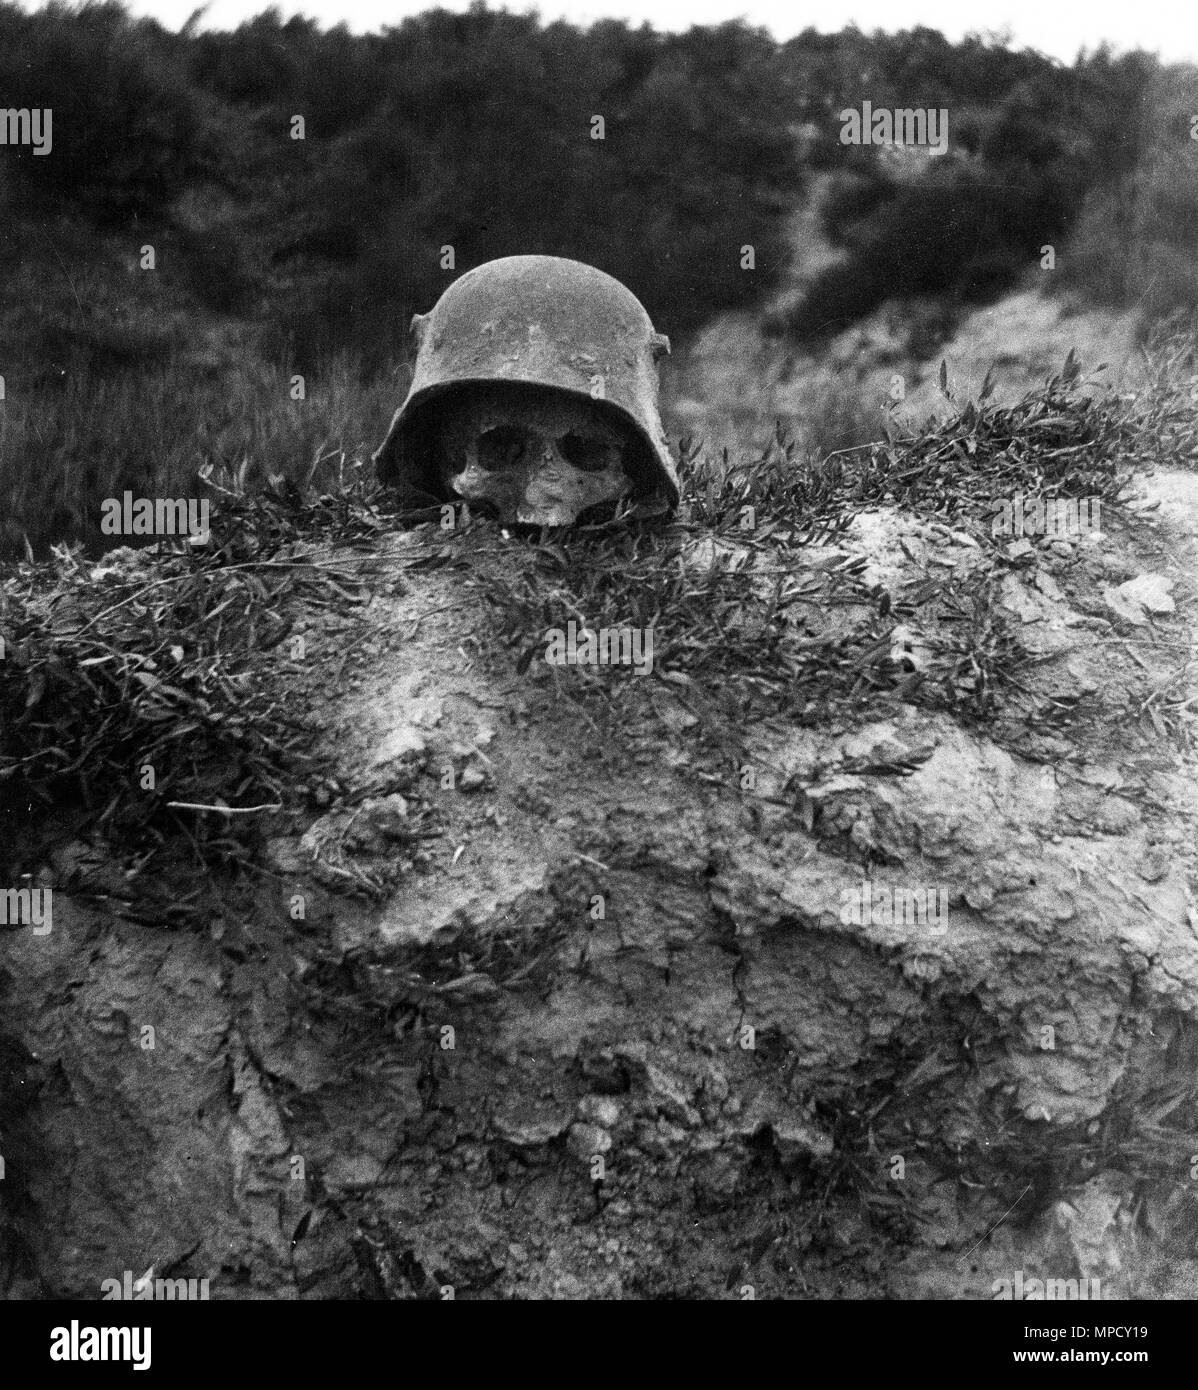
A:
170, 661
750, 620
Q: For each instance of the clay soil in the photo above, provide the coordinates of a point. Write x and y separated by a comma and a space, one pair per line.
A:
526, 998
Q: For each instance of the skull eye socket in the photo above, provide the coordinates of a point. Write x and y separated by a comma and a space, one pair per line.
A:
500, 447
589, 453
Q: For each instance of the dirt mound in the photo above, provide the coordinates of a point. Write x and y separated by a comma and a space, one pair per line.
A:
541, 995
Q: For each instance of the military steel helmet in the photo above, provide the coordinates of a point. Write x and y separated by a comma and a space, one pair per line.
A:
540, 321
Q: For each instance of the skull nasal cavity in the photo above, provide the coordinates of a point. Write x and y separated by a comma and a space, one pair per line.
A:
501, 447
588, 454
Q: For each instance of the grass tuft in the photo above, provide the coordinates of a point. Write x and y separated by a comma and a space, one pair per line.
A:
160, 666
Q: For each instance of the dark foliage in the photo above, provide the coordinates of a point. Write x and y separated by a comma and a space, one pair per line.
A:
467, 131
1028, 144
451, 139
126, 128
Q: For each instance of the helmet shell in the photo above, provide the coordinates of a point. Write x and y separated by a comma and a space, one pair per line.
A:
537, 321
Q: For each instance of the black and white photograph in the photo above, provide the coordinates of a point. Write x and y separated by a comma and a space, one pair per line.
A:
598, 661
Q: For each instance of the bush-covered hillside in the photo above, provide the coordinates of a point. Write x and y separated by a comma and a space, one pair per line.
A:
275, 256
1033, 150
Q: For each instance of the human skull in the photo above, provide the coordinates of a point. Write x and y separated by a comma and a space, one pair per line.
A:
566, 332
539, 457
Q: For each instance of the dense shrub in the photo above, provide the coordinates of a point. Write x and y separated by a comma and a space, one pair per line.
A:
1017, 175
484, 143
952, 234
125, 130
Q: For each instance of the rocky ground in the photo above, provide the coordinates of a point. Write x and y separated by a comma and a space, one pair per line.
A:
529, 1000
